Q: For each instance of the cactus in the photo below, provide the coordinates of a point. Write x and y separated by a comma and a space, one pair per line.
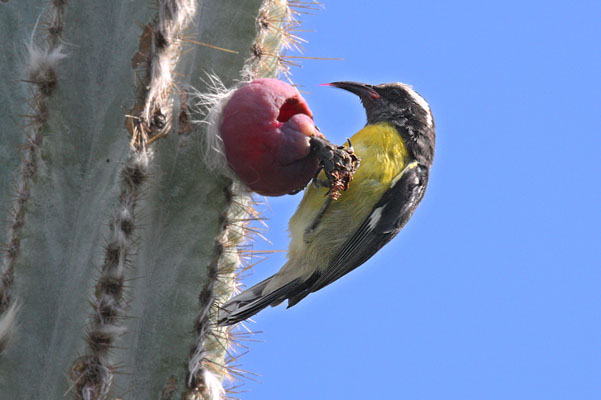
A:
123, 226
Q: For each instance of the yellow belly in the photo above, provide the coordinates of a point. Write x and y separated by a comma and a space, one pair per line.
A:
383, 156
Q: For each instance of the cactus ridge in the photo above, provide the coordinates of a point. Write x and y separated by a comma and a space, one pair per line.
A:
45, 54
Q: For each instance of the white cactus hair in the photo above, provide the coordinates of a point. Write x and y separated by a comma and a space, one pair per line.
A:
213, 385
44, 58
210, 104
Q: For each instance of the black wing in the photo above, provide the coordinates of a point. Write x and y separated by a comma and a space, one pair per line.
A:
387, 218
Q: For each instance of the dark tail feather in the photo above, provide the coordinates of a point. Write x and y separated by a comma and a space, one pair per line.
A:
293, 300
303, 290
251, 301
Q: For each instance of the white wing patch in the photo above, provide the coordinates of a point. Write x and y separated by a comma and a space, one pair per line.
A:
375, 217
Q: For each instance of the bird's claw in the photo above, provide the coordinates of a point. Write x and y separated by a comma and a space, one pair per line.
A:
339, 163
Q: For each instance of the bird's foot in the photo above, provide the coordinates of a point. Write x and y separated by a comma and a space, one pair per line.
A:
339, 163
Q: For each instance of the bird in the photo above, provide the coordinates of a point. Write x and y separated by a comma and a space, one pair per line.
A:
330, 238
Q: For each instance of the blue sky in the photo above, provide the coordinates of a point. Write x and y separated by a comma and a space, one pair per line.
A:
493, 290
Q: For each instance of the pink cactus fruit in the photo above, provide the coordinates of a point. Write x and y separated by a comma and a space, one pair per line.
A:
265, 128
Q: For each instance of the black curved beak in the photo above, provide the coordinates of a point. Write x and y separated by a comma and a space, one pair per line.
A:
362, 90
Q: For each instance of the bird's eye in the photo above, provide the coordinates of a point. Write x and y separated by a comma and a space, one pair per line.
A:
393, 93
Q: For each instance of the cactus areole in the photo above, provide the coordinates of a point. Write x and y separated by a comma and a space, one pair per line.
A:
266, 128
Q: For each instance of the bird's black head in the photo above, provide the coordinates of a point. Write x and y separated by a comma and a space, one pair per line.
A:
398, 104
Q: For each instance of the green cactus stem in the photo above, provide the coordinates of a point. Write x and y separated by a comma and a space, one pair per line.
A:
120, 241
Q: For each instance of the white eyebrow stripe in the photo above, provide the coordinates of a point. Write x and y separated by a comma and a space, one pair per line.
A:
420, 101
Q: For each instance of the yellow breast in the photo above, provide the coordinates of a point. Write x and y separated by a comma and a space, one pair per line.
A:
383, 156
